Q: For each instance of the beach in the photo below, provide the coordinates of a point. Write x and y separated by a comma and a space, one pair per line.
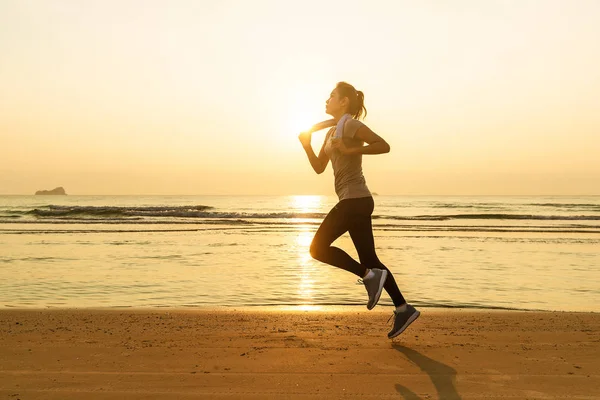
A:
271, 353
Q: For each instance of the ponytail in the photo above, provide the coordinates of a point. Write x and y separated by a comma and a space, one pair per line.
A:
360, 105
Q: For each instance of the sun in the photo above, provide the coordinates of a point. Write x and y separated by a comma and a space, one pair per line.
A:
299, 122
304, 107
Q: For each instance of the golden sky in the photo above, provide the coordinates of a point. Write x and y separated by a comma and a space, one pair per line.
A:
207, 97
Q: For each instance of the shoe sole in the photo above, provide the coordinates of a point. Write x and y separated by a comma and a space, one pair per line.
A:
381, 285
410, 320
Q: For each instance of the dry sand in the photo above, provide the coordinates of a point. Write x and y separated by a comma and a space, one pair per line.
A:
241, 354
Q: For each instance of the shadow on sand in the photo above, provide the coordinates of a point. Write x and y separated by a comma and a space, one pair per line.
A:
442, 376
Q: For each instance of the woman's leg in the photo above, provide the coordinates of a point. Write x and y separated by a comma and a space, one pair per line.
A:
335, 224
361, 233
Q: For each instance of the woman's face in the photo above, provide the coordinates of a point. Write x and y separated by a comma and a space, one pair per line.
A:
334, 105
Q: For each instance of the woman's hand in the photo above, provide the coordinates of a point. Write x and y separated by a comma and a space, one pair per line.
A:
304, 138
338, 144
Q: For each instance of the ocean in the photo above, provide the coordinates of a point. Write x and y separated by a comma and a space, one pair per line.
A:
482, 252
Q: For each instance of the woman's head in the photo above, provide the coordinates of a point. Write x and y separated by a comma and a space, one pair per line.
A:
346, 99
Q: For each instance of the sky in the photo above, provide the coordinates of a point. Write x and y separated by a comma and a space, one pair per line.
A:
208, 97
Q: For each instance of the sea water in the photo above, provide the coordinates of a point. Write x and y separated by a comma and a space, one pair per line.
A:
503, 252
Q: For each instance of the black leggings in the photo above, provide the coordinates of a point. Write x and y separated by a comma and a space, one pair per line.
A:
353, 216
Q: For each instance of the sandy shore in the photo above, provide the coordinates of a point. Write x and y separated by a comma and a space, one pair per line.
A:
171, 354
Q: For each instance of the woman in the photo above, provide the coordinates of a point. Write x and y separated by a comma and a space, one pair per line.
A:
344, 146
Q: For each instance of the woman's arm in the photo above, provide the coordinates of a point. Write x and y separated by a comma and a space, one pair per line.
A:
318, 163
322, 125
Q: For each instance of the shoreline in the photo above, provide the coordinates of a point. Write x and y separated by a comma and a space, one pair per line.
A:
291, 308
257, 354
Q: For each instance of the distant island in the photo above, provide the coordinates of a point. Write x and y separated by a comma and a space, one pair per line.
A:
375, 194
58, 190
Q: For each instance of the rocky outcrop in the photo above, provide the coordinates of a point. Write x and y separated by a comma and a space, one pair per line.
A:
58, 190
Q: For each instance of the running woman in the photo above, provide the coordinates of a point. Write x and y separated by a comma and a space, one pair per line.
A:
344, 145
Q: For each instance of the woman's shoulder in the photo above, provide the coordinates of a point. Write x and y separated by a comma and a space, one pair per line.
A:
351, 126
355, 122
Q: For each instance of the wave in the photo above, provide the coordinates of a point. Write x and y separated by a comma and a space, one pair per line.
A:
176, 213
587, 206
258, 227
138, 213
482, 206
114, 211
496, 216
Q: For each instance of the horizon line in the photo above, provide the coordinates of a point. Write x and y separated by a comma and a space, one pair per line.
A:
313, 194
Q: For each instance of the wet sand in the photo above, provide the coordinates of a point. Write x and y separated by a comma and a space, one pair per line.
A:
275, 354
